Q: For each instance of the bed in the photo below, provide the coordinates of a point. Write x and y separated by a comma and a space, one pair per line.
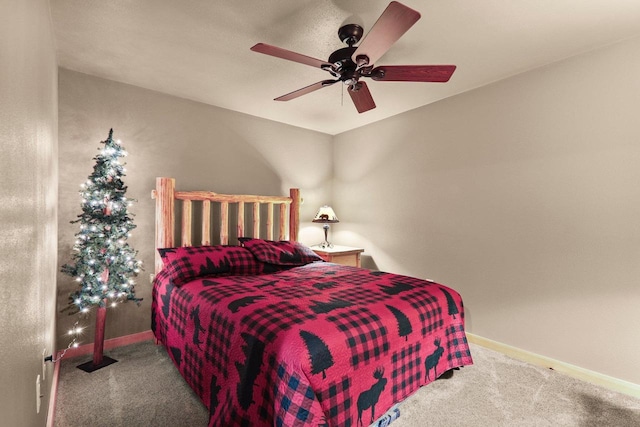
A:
267, 333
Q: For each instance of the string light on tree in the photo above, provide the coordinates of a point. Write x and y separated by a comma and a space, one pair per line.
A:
104, 264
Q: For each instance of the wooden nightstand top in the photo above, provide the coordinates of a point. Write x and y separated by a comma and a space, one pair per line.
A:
343, 250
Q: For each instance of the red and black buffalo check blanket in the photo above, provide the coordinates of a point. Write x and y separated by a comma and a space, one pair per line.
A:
314, 345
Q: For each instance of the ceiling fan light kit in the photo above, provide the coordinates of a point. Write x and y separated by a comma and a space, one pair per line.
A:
349, 64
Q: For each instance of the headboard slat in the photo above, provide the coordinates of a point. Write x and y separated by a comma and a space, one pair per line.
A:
240, 219
224, 223
270, 221
283, 219
206, 223
256, 220
185, 236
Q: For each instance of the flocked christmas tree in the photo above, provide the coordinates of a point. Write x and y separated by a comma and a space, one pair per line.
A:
104, 264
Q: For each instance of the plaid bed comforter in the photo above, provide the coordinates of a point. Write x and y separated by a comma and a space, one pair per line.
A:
315, 345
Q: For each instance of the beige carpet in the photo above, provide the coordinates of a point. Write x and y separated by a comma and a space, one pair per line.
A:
500, 391
144, 389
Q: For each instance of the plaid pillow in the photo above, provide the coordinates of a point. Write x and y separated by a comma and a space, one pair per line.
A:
280, 253
191, 262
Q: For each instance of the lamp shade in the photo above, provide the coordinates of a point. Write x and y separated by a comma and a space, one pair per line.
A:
326, 215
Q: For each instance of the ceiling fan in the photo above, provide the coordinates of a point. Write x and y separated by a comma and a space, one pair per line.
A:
350, 63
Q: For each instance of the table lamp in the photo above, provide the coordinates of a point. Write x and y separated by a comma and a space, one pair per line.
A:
326, 216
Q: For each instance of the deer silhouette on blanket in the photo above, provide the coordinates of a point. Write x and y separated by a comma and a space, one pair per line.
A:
369, 398
431, 362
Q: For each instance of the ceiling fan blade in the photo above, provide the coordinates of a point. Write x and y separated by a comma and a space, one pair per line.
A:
413, 73
392, 24
305, 90
361, 97
290, 56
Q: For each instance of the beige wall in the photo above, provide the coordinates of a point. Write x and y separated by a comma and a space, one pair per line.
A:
28, 207
203, 147
523, 195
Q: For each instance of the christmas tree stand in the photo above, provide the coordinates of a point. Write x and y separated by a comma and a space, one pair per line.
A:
99, 359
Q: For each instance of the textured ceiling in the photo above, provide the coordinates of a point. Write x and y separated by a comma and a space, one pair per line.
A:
199, 49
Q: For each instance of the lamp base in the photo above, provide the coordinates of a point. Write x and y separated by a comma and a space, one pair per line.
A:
325, 245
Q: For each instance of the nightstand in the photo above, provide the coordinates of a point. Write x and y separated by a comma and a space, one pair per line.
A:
344, 255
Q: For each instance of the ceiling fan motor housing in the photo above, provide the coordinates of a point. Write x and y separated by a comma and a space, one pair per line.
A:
341, 58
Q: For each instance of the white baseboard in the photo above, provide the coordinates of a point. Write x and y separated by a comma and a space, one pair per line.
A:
53, 396
582, 374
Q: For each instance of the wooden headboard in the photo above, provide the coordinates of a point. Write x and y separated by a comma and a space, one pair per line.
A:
166, 196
